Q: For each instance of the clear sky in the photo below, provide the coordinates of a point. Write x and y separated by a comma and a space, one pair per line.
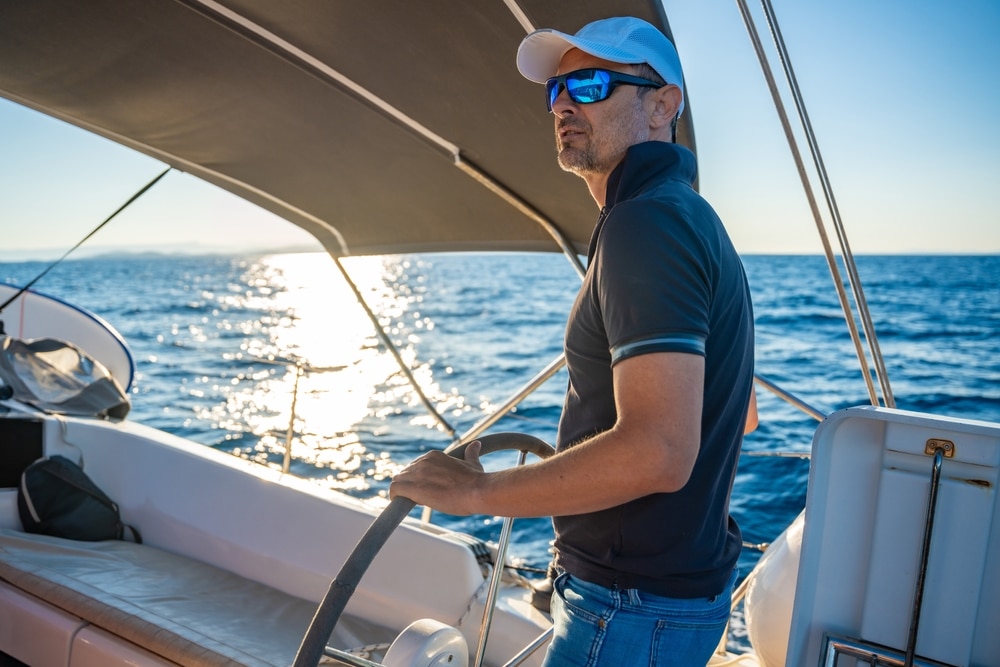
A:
904, 97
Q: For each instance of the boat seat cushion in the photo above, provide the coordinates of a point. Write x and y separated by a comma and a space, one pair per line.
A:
182, 609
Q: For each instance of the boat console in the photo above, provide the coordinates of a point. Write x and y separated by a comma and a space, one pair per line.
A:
901, 542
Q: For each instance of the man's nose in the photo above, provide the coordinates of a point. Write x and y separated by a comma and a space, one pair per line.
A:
563, 104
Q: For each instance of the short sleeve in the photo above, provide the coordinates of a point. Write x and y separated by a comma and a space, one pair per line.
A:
653, 281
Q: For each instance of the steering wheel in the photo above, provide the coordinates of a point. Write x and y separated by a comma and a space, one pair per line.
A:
343, 586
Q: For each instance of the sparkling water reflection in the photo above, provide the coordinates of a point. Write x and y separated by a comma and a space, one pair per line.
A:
218, 340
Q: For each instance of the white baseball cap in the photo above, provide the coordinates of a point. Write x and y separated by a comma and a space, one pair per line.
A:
622, 39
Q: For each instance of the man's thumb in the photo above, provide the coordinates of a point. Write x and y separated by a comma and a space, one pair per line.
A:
472, 452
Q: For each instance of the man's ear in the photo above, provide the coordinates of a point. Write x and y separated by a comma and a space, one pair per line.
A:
666, 101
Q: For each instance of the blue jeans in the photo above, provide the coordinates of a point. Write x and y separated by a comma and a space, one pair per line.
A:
599, 627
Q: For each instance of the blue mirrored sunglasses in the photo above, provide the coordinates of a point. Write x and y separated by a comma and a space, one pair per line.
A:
586, 86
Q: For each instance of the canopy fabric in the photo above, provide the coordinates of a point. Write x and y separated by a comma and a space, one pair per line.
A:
346, 118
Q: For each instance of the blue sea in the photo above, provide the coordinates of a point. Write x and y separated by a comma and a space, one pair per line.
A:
225, 345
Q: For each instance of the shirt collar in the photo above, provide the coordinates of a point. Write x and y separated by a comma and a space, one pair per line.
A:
648, 163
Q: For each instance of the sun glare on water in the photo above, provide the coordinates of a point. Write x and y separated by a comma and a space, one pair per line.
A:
320, 353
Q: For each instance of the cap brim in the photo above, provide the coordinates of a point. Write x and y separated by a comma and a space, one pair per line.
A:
540, 52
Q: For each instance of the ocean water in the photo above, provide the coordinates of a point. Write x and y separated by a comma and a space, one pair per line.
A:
224, 345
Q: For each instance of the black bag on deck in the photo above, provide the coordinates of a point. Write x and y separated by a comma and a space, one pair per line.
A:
57, 498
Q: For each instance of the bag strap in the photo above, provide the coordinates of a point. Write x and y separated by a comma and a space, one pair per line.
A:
136, 535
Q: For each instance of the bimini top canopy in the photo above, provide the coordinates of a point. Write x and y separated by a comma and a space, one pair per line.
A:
383, 126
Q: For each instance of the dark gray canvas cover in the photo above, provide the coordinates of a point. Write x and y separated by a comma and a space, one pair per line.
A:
379, 127
58, 377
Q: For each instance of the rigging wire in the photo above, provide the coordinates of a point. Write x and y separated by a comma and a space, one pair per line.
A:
84, 239
387, 342
838, 224
813, 206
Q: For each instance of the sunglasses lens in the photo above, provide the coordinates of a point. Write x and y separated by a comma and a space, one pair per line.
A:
585, 86
552, 88
588, 86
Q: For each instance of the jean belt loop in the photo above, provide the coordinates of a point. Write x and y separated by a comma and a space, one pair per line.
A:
633, 597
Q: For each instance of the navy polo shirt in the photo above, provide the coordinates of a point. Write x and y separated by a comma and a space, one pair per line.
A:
662, 276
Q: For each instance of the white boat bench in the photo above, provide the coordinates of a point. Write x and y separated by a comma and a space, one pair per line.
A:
176, 608
250, 532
